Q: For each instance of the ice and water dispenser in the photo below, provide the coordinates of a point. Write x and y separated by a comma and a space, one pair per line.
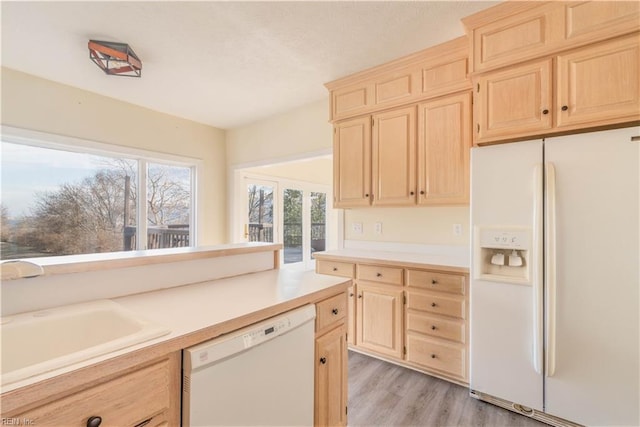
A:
502, 254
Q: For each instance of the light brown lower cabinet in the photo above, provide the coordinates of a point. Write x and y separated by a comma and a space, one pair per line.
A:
149, 396
379, 318
330, 406
412, 316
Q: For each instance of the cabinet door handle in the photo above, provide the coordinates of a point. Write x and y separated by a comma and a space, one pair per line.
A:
433, 327
564, 108
351, 294
323, 360
545, 111
94, 421
433, 304
411, 193
360, 296
433, 356
334, 311
434, 282
421, 191
144, 423
335, 268
378, 274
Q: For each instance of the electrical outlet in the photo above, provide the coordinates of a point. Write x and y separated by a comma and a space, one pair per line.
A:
356, 227
378, 228
457, 229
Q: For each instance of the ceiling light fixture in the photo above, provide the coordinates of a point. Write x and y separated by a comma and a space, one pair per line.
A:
115, 59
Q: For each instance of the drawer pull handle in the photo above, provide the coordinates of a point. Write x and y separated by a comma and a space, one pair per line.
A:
564, 108
378, 274
335, 311
323, 360
545, 111
433, 304
335, 268
144, 423
433, 356
433, 327
94, 421
434, 282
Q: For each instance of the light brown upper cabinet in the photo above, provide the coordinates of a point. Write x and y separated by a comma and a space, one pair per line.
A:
512, 102
596, 85
444, 140
352, 163
431, 72
599, 84
513, 32
394, 157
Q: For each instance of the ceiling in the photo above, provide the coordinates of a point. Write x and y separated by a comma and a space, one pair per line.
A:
225, 64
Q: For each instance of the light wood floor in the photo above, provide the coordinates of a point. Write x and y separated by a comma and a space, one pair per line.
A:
383, 394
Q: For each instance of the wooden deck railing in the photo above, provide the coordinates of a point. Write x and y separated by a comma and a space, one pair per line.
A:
292, 234
171, 236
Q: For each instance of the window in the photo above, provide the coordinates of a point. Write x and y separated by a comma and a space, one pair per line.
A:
67, 200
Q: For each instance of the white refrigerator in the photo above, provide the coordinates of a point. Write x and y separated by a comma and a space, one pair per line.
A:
555, 277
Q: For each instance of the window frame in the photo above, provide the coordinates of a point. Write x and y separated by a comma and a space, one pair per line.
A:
143, 157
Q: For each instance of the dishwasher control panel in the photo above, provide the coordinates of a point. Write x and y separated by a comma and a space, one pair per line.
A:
265, 333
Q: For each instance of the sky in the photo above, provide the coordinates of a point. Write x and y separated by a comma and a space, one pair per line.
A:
27, 170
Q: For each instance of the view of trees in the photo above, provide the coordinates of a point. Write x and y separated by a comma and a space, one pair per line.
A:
90, 216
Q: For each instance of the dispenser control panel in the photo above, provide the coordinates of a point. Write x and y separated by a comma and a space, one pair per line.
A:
501, 239
502, 254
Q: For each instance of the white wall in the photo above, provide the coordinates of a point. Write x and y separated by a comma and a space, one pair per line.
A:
428, 225
287, 136
33, 103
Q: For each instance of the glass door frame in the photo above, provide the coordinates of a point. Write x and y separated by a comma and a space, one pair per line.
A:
307, 263
241, 231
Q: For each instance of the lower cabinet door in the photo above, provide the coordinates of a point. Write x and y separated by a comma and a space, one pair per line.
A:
379, 319
331, 378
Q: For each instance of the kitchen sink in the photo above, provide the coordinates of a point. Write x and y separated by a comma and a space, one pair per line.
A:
41, 341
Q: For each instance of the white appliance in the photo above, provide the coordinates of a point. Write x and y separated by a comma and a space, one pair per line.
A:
555, 277
260, 375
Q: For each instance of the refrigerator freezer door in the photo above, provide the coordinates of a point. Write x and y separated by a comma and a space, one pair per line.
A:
503, 347
596, 348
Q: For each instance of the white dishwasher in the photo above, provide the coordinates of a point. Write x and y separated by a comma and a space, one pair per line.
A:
261, 375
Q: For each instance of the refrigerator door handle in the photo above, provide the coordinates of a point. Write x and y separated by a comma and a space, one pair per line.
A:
550, 267
537, 269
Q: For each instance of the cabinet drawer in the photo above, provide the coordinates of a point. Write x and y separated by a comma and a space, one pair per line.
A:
336, 268
330, 310
437, 304
128, 400
448, 358
377, 273
443, 282
435, 326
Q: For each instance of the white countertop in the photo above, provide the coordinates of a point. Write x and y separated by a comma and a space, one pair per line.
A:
456, 260
190, 308
186, 309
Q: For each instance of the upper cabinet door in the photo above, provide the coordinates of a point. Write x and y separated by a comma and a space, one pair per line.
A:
589, 21
514, 102
352, 163
444, 141
599, 84
394, 157
518, 36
